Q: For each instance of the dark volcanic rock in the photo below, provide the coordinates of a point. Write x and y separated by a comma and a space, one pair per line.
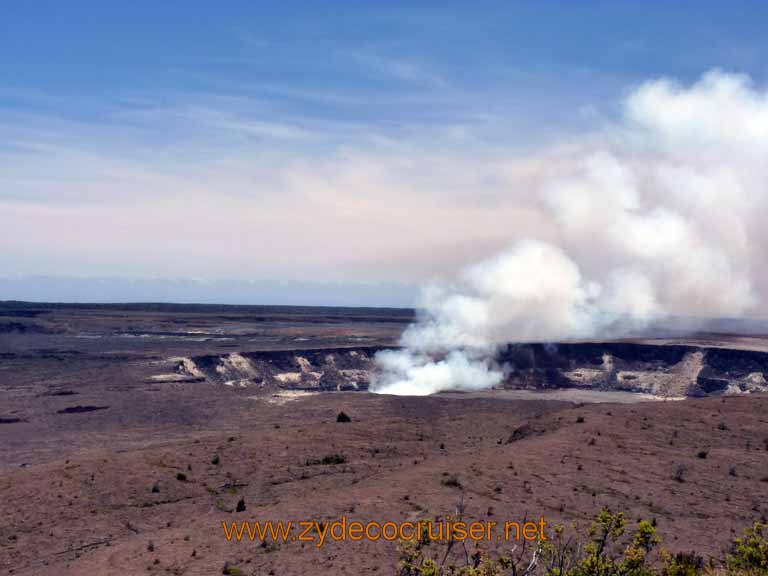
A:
735, 363
711, 385
80, 409
8, 327
342, 417
11, 420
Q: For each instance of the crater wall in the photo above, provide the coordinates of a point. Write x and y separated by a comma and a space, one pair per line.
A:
664, 370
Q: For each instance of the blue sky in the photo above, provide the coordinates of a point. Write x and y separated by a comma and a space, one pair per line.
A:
306, 142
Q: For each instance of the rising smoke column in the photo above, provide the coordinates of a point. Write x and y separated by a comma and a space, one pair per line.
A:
660, 215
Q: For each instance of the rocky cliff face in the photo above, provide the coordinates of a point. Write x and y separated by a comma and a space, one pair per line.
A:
664, 370
330, 369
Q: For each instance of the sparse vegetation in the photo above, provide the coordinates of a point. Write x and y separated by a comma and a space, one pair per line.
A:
215, 460
231, 570
326, 460
682, 564
451, 482
181, 477
607, 548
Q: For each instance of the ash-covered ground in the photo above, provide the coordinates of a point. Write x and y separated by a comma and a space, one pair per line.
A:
102, 407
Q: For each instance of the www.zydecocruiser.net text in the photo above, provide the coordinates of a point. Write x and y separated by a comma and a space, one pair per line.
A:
344, 530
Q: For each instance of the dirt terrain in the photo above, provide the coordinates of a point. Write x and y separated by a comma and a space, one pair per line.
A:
117, 457
115, 362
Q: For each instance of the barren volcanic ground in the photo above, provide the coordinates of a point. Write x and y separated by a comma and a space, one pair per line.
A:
129, 433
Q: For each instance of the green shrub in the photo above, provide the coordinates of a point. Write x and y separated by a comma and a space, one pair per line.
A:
682, 564
607, 549
231, 570
750, 552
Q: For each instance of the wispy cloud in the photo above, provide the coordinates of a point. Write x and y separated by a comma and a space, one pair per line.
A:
399, 69
227, 122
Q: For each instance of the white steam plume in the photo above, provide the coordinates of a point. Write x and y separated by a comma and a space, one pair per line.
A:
660, 215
